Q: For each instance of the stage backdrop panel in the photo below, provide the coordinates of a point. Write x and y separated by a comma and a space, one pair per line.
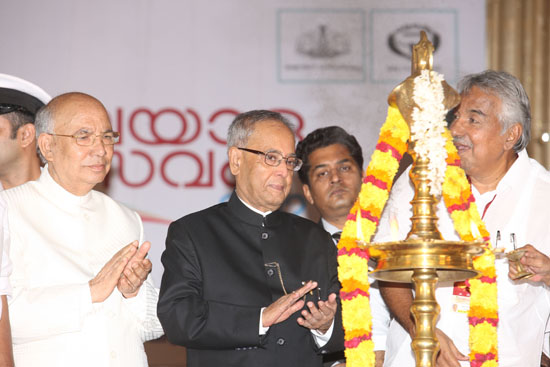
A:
173, 74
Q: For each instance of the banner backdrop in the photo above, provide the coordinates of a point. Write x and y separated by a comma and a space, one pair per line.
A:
173, 74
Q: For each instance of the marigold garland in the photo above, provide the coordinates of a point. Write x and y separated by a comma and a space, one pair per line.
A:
483, 313
353, 261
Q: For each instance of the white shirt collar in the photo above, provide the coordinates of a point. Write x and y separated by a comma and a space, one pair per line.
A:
518, 170
329, 227
264, 214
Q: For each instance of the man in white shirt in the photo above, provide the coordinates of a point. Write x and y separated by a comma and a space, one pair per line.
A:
331, 180
491, 129
81, 291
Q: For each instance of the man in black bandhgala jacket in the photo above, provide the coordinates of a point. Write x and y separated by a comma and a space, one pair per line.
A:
244, 283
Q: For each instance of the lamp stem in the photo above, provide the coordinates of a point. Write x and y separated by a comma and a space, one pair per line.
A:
425, 311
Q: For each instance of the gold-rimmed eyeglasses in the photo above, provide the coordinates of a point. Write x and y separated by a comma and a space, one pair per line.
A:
87, 139
274, 158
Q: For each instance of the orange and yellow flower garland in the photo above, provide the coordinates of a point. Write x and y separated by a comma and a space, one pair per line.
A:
483, 313
352, 260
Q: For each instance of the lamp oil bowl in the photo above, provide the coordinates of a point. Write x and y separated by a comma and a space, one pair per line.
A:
452, 260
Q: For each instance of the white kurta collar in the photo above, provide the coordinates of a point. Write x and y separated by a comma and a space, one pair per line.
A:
58, 194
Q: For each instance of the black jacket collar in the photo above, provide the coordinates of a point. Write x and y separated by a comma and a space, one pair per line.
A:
238, 208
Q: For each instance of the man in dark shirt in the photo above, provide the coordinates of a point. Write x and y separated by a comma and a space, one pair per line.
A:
331, 180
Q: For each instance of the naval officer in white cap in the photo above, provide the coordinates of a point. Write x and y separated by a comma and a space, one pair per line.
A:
19, 102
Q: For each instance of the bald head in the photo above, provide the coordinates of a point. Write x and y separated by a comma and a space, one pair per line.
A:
46, 117
75, 139
71, 98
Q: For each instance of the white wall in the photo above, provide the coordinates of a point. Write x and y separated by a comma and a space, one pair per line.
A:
204, 61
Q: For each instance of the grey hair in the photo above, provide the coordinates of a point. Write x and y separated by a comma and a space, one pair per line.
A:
43, 123
243, 126
515, 102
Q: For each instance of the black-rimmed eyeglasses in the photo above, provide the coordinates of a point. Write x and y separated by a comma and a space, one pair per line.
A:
274, 158
88, 139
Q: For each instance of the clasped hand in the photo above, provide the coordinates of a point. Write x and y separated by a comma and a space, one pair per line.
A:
317, 318
126, 270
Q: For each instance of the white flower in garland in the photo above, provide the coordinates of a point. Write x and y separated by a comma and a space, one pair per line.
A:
429, 125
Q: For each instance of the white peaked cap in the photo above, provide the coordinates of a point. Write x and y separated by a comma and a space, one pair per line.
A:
19, 92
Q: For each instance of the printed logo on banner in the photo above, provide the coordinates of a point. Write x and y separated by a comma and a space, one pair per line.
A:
321, 45
402, 40
393, 32
164, 140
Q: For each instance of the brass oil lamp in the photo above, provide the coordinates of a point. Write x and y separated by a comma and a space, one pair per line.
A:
424, 257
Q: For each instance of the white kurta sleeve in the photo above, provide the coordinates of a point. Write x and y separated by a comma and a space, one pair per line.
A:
144, 309
144, 306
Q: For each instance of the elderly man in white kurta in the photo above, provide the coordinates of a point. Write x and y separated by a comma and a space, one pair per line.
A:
512, 193
81, 291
